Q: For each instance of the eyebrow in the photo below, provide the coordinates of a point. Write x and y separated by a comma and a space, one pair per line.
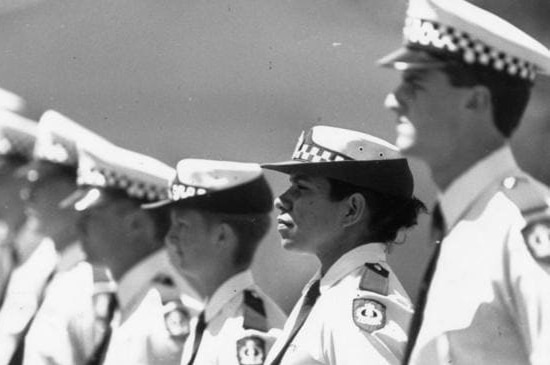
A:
416, 75
297, 178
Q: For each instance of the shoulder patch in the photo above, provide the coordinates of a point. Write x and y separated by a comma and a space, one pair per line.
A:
176, 319
368, 314
537, 237
534, 206
375, 279
251, 350
254, 312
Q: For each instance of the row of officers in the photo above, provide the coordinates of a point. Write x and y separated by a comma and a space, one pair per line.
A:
109, 256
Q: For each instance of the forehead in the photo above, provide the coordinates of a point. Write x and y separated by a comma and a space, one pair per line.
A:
434, 75
319, 181
189, 214
111, 202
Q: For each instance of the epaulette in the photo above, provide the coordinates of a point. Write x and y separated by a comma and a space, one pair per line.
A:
533, 204
369, 314
166, 287
164, 279
177, 319
251, 348
254, 312
375, 279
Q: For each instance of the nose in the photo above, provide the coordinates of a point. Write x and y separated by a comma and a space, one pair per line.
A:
282, 202
392, 103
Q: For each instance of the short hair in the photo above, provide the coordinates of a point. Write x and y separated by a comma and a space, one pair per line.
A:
388, 214
249, 229
509, 94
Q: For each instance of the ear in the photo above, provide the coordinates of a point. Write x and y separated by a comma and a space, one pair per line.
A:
478, 99
225, 235
355, 209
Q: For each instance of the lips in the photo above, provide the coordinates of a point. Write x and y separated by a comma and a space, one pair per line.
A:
284, 223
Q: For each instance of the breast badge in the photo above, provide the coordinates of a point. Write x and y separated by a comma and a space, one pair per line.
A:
251, 350
176, 319
537, 238
368, 314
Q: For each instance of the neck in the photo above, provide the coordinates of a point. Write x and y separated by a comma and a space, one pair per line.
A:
64, 238
127, 258
206, 283
445, 173
329, 255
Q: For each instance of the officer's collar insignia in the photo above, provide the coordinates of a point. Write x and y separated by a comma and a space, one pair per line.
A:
369, 315
537, 238
176, 319
251, 350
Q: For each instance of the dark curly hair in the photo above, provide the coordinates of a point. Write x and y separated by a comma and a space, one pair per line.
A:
388, 214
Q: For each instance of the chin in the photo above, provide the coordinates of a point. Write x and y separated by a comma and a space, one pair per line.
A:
292, 245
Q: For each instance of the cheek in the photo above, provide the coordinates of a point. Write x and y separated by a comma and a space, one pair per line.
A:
309, 214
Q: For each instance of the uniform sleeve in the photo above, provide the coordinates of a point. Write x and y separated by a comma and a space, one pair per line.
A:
374, 337
528, 284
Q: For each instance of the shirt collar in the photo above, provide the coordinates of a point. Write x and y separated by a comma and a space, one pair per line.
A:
227, 291
135, 283
351, 260
70, 256
465, 190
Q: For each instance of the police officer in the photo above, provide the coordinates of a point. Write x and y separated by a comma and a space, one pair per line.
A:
50, 177
466, 79
350, 194
219, 212
17, 138
145, 321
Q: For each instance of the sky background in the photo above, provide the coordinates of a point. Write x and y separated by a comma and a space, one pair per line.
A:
235, 80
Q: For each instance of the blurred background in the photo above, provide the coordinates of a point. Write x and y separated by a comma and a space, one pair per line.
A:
236, 80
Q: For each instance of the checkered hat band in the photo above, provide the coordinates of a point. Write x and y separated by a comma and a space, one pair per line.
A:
180, 191
135, 189
315, 153
426, 33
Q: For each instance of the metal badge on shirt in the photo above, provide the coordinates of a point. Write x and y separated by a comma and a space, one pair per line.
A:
369, 314
251, 350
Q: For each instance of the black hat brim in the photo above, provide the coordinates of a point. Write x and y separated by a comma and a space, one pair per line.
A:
157, 204
392, 177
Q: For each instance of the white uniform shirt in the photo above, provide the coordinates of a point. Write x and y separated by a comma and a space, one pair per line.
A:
7, 262
141, 335
489, 301
330, 335
224, 318
62, 331
26, 289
